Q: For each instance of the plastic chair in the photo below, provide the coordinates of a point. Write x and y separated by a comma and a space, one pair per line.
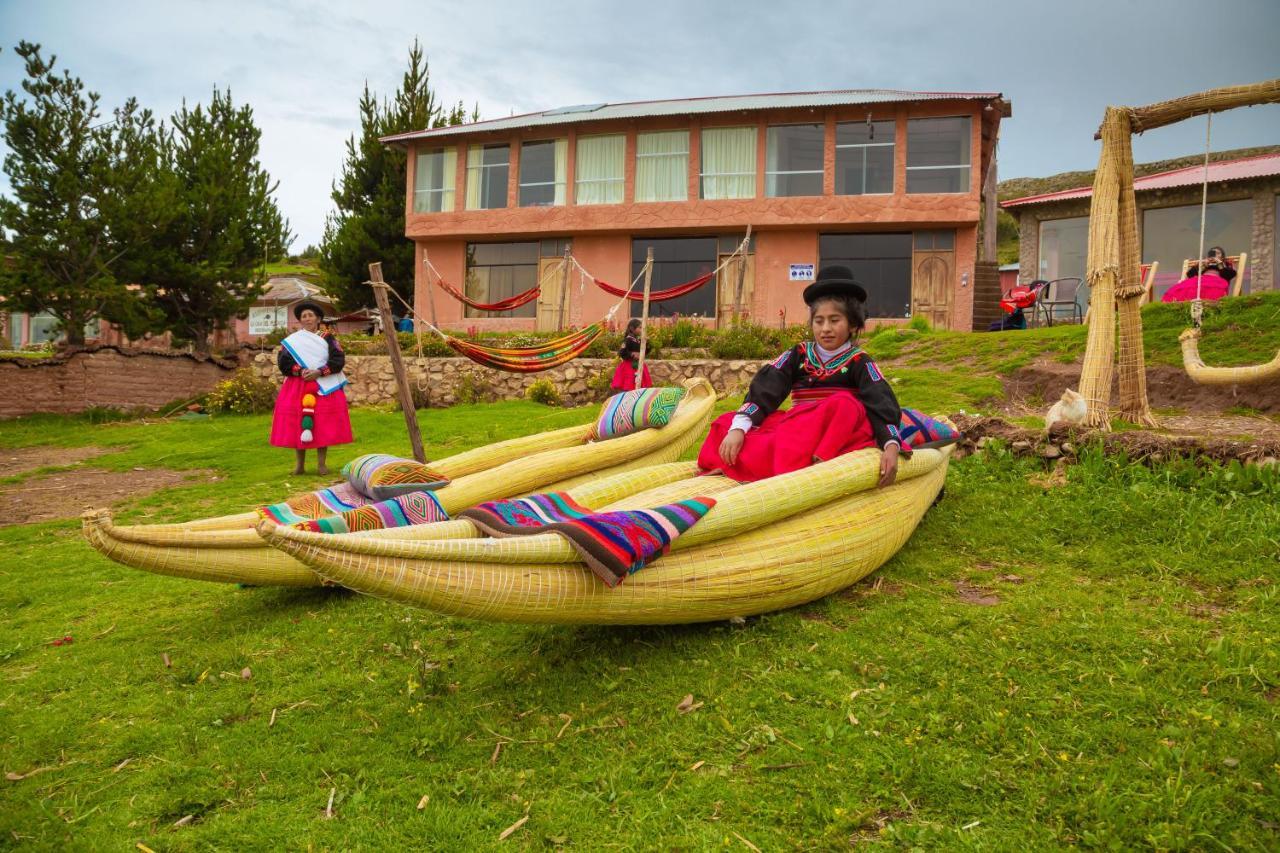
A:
1058, 294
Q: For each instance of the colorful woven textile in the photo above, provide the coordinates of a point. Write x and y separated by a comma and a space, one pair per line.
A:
402, 511
919, 430
380, 477
340, 498
612, 544
507, 304
673, 292
529, 359
632, 411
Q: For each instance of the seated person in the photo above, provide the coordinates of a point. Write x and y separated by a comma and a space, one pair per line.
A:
841, 401
1211, 278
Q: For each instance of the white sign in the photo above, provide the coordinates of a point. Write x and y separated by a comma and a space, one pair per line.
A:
264, 321
802, 272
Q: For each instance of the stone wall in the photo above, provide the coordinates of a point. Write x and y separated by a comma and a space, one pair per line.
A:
440, 382
106, 376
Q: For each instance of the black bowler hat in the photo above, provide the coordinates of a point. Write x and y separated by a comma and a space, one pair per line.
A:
305, 305
834, 280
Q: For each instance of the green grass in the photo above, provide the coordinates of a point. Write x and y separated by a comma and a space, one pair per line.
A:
1120, 691
285, 268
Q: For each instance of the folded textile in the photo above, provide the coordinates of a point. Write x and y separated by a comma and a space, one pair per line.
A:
311, 350
380, 476
400, 511
919, 431
612, 544
337, 499
632, 411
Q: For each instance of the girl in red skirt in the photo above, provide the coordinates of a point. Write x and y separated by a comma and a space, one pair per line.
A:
311, 410
624, 377
840, 399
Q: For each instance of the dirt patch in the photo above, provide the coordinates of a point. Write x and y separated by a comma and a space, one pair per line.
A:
16, 460
872, 587
67, 494
981, 596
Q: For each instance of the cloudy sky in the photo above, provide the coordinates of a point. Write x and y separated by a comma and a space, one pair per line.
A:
302, 65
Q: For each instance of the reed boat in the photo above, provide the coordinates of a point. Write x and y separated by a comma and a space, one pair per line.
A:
228, 549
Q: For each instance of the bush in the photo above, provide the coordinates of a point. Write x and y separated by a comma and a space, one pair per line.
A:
600, 386
920, 323
275, 337
475, 388
543, 391
741, 341
245, 393
605, 346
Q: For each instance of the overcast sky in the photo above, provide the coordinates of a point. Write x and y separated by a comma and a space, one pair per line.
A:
302, 65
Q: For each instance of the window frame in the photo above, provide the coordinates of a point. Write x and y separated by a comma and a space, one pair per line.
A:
483, 175
968, 167
524, 312
681, 154
754, 174
556, 181
448, 184
773, 173
861, 147
620, 180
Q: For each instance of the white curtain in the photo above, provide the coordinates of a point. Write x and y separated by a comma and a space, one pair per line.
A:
434, 180
562, 168
729, 162
662, 166
475, 175
599, 165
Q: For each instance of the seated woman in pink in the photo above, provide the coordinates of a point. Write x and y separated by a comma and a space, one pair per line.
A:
840, 399
1215, 274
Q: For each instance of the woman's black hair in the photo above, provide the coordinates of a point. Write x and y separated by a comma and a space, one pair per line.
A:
854, 310
1222, 253
634, 324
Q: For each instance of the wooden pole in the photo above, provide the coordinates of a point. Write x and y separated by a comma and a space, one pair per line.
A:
564, 289
397, 363
431, 291
1142, 119
644, 317
990, 225
742, 277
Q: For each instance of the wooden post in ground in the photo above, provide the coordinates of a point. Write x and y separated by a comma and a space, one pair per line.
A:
431, 291
564, 289
990, 213
397, 363
644, 317
742, 276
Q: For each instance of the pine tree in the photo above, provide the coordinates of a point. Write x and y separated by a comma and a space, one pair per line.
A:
369, 194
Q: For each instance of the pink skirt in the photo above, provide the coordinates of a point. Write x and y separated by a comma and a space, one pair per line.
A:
624, 377
1211, 287
332, 423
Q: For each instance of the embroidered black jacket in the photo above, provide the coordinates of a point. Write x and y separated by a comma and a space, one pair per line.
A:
337, 358
630, 350
800, 372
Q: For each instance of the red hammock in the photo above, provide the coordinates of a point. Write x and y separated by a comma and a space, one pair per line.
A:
661, 295
501, 305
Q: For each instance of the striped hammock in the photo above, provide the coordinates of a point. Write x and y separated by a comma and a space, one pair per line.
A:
529, 359
501, 305
662, 295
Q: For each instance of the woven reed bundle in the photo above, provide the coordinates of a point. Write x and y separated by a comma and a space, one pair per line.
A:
1203, 374
240, 556
787, 557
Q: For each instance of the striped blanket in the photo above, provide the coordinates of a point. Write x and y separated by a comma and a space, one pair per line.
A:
400, 511
338, 499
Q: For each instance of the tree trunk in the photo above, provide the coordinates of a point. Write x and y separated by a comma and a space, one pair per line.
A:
200, 340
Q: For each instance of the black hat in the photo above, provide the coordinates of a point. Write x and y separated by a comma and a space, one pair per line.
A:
834, 280
307, 304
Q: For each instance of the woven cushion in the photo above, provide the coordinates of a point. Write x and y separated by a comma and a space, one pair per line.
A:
919, 430
632, 411
381, 477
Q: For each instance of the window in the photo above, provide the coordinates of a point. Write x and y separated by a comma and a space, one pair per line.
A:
542, 170
1064, 252
17, 327
433, 180
881, 262
935, 241
676, 261
793, 160
938, 155
44, 328
729, 162
662, 166
498, 270
488, 167
599, 169
1171, 235
864, 157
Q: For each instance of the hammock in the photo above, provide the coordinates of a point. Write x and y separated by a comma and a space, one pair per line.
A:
501, 305
529, 359
662, 295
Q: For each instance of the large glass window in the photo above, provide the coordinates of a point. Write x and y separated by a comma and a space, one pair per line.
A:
728, 162
498, 270
864, 157
542, 172
676, 261
488, 168
598, 169
433, 180
881, 262
44, 328
17, 327
938, 155
793, 160
1171, 235
662, 166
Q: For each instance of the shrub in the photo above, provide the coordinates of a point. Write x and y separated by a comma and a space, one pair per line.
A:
543, 391
599, 385
605, 346
921, 324
741, 340
474, 388
245, 393
275, 337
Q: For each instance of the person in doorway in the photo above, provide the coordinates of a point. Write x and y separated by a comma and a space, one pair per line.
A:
840, 400
311, 409
624, 377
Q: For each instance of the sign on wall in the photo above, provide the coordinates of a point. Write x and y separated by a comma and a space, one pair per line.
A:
264, 321
802, 272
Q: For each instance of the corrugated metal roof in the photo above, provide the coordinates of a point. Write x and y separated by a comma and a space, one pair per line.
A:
693, 106
1262, 166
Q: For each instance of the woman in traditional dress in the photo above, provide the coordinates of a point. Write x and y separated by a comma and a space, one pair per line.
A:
624, 377
1207, 280
840, 399
311, 410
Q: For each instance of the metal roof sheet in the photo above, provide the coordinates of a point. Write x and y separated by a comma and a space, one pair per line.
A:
692, 106
1261, 166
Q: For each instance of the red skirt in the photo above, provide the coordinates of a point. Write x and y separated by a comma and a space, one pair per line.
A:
1211, 287
788, 441
332, 423
624, 377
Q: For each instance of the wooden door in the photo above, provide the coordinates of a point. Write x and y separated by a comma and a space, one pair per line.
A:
727, 289
931, 286
552, 279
